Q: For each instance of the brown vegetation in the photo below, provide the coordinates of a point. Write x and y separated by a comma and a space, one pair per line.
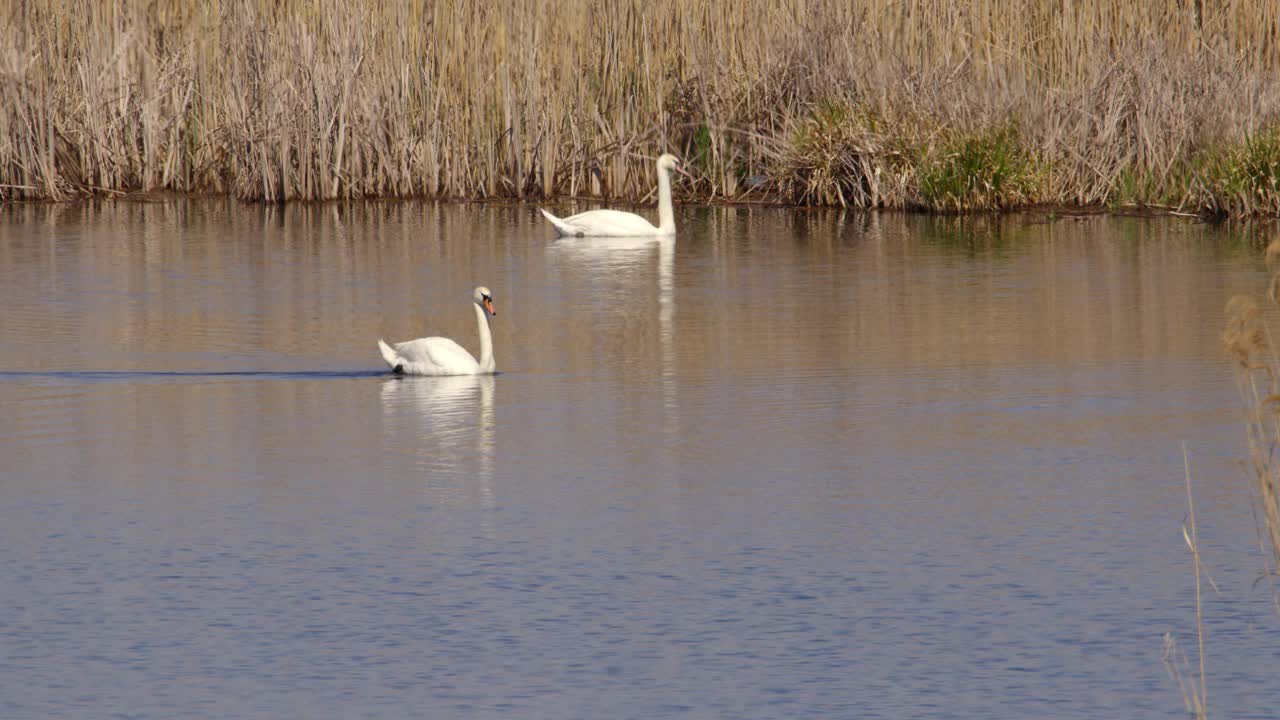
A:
1258, 375
936, 104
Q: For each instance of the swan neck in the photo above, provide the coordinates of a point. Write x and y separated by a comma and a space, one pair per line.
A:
487, 363
666, 218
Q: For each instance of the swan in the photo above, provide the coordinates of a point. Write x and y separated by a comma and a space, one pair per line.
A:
442, 356
615, 223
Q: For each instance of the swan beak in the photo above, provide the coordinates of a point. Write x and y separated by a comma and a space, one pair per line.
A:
682, 171
488, 305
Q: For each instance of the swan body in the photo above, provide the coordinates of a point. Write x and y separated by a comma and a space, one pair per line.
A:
615, 223
442, 356
604, 223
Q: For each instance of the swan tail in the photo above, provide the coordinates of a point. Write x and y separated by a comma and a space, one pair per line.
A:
390, 357
562, 227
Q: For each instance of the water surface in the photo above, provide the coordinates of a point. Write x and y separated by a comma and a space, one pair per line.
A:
793, 464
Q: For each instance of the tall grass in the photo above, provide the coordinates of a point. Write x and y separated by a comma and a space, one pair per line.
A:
856, 103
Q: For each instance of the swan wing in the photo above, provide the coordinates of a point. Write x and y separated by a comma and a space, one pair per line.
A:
562, 227
602, 223
435, 356
388, 354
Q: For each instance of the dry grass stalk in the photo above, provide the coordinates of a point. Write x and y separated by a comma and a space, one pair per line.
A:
1194, 695
1176, 664
282, 100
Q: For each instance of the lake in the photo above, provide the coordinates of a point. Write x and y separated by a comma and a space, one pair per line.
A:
791, 464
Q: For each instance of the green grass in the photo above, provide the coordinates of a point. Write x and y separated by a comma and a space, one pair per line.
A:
987, 169
1242, 178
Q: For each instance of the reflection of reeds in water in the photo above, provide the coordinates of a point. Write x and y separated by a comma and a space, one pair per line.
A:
306, 279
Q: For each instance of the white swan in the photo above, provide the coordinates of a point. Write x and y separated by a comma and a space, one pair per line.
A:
442, 356
615, 223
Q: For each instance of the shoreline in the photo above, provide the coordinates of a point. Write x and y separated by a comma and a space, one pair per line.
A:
1049, 210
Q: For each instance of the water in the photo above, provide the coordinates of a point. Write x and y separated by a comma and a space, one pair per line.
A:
795, 464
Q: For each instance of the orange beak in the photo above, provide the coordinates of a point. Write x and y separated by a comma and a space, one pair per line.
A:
488, 305
681, 170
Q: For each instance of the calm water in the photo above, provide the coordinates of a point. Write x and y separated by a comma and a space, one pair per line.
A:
791, 465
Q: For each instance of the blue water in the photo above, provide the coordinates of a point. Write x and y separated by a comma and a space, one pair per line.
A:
794, 464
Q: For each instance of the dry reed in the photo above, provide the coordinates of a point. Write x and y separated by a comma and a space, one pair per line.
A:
861, 103
1194, 695
1258, 377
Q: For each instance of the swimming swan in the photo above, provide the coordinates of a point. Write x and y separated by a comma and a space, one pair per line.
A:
442, 356
615, 223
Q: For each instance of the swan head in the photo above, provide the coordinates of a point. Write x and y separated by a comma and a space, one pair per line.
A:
667, 161
484, 299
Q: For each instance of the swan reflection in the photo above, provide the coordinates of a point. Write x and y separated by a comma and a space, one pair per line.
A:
612, 254
666, 321
626, 267
446, 424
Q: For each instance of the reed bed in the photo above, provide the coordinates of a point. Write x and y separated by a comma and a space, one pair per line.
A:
935, 104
